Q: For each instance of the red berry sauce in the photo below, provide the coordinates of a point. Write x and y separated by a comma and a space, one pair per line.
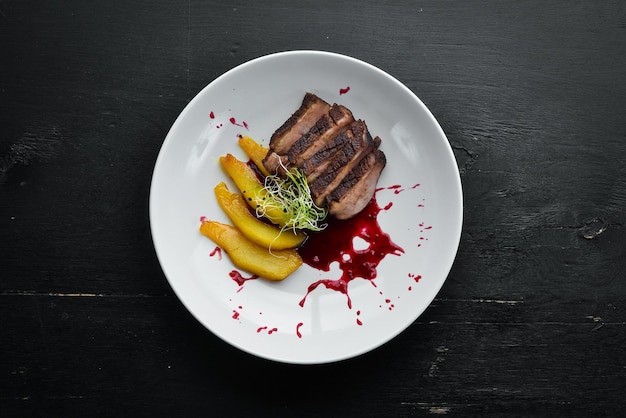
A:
336, 244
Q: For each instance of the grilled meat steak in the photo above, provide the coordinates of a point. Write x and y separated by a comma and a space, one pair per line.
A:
337, 154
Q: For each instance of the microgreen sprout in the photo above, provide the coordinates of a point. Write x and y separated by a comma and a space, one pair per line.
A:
292, 195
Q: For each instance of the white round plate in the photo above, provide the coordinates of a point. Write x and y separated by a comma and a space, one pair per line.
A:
420, 189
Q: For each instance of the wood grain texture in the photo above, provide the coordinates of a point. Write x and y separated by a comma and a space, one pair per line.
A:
532, 318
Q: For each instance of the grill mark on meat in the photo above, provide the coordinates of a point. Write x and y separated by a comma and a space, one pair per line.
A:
324, 130
358, 187
358, 142
298, 124
355, 174
319, 162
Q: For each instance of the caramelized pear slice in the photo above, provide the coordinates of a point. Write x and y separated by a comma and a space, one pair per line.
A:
255, 151
251, 257
257, 231
251, 187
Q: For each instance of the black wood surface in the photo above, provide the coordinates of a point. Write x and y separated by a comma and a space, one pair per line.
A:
531, 320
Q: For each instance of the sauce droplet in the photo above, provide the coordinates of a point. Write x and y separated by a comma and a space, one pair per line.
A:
217, 251
239, 279
242, 124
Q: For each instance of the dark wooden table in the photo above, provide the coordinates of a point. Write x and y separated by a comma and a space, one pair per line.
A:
531, 320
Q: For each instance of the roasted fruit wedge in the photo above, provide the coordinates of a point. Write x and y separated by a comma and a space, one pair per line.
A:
253, 258
255, 151
251, 187
257, 231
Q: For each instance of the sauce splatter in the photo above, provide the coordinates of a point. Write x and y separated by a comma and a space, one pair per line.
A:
335, 244
212, 115
216, 251
344, 90
239, 279
242, 124
269, 331
298, 333
415, 277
